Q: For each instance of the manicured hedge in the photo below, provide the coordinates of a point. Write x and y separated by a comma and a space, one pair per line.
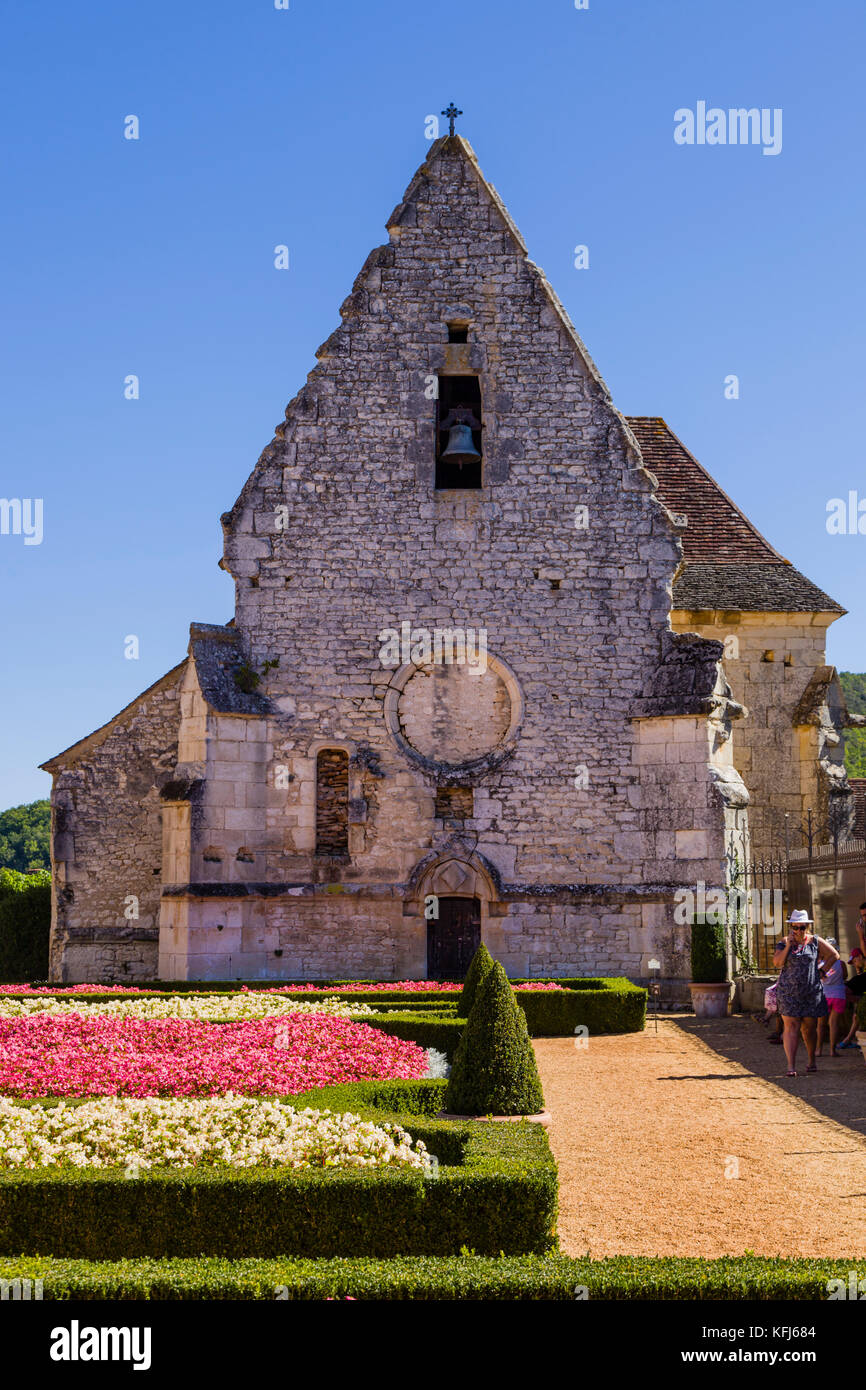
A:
479, 968
398, 1099
606, 1005
496, 1191
418, 1005
441, 1031
494, 1071
523, 1278
617, 1007
25, 925
709, 959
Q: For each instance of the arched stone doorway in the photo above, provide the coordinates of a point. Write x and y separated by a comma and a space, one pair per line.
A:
454, 893
453, 937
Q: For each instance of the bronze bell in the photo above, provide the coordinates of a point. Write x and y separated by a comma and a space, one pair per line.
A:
460, 448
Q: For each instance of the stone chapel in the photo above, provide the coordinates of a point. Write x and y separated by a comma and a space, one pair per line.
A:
505, 664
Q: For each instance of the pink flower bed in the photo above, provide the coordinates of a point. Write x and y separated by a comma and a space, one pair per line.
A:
414, 986
73, 1055
402, 985
540, 985
407, 986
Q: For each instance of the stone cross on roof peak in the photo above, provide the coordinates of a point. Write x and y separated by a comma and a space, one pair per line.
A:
451, 112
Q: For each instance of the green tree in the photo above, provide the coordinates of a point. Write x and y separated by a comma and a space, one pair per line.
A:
854, 687
494, 1071
855, 752
25, 833
25, 926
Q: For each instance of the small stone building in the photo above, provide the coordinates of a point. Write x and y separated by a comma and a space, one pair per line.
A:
504, 665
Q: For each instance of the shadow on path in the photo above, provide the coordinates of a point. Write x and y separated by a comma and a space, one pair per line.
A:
837, 1091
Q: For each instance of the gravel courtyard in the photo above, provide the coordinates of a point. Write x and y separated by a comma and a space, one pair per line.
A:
646, 1126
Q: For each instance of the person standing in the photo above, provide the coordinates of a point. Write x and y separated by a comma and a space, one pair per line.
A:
855, 986
799, 992
833, 983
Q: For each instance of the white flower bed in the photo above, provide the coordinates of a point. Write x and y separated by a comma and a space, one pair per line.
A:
236, 1130
204, 1008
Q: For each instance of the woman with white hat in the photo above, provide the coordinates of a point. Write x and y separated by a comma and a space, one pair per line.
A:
799, 992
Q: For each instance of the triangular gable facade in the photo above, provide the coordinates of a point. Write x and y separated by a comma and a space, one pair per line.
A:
566, 786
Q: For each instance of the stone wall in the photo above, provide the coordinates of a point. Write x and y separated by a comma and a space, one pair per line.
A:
694, 810
312, 937
544, 938
769, 660
107, 842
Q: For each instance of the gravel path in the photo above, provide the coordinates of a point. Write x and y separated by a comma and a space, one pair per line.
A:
645, 1126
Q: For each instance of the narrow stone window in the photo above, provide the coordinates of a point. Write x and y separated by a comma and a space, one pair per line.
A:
458, 433
332, 802
458, 333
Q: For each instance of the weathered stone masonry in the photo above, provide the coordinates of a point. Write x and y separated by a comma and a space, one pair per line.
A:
568, 787
107, 842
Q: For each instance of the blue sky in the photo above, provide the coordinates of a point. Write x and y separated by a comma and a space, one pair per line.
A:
303, 126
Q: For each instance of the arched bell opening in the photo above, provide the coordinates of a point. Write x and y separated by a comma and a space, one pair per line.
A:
459, 425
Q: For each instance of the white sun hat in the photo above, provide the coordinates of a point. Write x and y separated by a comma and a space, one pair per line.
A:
799, 918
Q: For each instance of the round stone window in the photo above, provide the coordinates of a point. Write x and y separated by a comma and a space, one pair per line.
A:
453, 715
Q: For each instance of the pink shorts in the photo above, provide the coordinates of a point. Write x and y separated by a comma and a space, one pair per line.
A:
836, 1005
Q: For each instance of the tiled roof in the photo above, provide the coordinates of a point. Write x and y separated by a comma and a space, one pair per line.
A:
750, 588
727, 563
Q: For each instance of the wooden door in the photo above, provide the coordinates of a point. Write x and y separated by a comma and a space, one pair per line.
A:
453, 938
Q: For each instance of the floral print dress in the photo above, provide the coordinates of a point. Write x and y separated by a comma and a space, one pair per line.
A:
799, 992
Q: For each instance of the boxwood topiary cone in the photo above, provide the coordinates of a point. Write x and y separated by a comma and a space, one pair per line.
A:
479, 966
494, 1071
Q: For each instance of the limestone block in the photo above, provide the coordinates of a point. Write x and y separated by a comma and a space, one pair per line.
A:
252, 752
223, 728
246, 818
656, 730
205, 941
247, 547
691, 844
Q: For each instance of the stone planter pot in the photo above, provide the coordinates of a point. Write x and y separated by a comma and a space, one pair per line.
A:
543, 1118
710, 1000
